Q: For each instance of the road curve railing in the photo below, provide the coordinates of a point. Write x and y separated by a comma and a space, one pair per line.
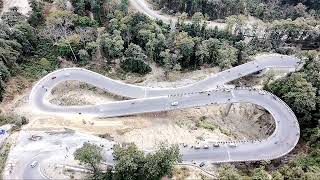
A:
207, 92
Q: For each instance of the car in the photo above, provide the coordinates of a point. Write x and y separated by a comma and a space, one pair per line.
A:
197, 147
216, 145
176, 103
2, 131
233, 145
205, 146
54, 77
262, 92
34, 164
185, 145
202, 164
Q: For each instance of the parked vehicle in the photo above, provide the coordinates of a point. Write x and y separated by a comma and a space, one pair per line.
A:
185, 145
205, 146
233, 145
176, 103
202, 164
216, 145
34, 164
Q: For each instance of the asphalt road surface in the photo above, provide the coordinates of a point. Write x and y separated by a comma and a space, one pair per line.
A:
203, 93
144, 7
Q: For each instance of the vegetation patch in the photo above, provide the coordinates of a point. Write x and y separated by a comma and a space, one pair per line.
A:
203, 123
15, 120
130, 162
4, 151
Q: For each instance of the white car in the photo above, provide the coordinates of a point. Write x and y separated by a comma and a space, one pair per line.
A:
34, 164
197, 147
262, 92
176, 103
205, 147
233, 145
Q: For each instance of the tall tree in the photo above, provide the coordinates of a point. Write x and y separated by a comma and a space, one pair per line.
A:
36, 17
90, 154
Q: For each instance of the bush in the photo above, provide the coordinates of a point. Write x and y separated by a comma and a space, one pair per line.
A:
84, 56
16, 120
135, 66
84, 21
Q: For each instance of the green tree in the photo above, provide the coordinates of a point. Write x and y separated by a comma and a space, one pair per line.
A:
184, 44
161, 162
90, 155
228, 172
170, 61
131, 163
261, 174
83, 56
227, 56
134, 60
297, 92
112, 46
207, 51
36, 17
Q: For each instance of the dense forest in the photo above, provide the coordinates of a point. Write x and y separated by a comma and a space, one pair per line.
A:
262, 9
102, 35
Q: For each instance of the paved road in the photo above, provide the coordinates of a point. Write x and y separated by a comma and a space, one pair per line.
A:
203, 93
144, 7
53, 148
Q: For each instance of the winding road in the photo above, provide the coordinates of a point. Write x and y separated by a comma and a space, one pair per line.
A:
203, 93
144, 7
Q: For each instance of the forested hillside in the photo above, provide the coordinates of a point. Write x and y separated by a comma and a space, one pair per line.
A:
262, 9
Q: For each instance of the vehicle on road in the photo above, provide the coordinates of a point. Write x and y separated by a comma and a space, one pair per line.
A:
34, 164
216, 145
54, 77
202, 164
262, 92
176, 103
233, 145
185, 145
197, 146
205, 146
2, 131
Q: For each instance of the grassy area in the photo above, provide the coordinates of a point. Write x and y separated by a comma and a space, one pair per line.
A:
4, 151
17, 121
181, 173
203, 123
